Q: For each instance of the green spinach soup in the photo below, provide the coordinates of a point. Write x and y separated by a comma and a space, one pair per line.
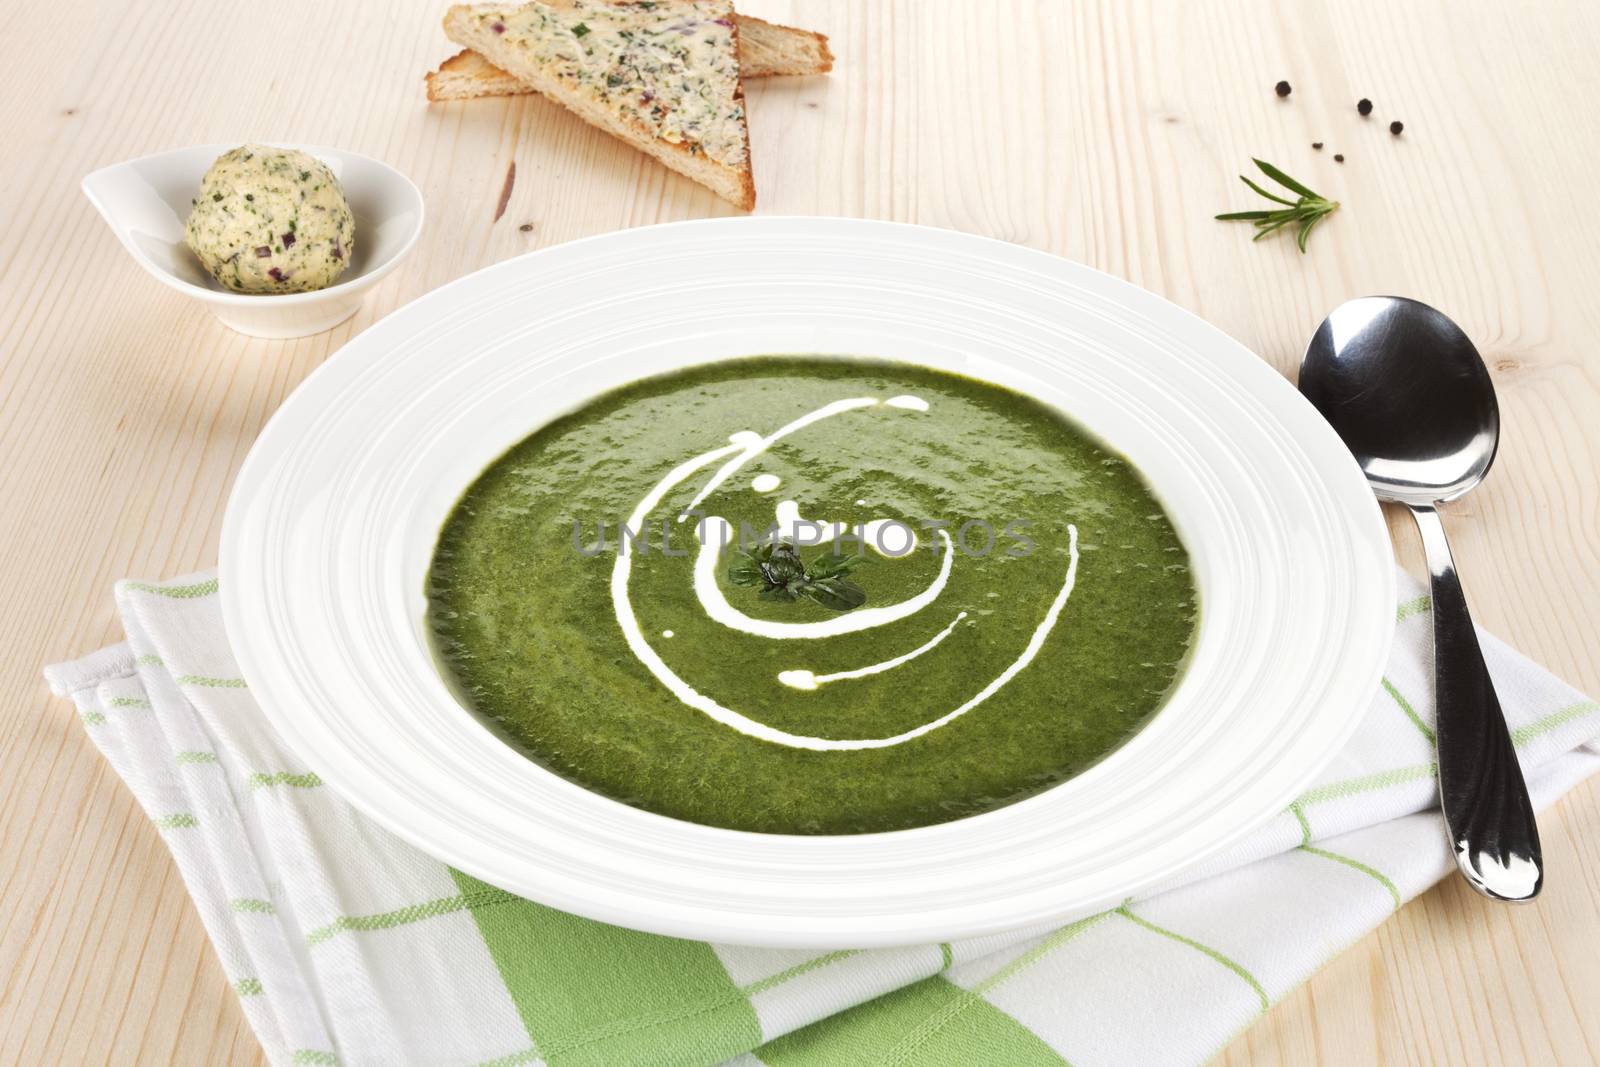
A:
812, 595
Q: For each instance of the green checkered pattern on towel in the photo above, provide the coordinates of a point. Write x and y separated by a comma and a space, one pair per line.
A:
347, 946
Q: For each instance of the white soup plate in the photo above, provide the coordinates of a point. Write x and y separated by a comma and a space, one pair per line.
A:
333, 520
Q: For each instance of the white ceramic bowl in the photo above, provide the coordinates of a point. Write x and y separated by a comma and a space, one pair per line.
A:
145, 201
332, 523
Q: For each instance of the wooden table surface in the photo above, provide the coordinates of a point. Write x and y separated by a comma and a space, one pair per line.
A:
1106, 131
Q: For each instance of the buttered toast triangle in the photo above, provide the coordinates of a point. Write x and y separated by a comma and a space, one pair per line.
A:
766, 50
662, 75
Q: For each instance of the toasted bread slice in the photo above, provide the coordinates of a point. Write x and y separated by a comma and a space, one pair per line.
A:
467, 75
766, 50
662, 75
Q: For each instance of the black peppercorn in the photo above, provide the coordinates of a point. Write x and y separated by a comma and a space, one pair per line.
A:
1282, 89
1396, 126
1338, 158
1364, 106
1317, 145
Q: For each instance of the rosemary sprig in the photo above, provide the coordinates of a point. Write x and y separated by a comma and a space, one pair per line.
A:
1306, 210
777, 568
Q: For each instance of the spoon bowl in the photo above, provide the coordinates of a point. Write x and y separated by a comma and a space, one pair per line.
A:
1409, 394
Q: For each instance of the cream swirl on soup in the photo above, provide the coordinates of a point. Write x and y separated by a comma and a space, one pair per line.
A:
716, 533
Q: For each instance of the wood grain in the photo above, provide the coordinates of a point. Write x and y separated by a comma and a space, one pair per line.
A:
1107, 131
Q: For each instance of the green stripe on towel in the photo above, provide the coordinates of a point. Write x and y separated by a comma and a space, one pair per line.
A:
1207, 950
1355, 864
210, 683
1555, 720
481, 897
263, 779
933, 1023
1405, 706
1409, 608
1366, 783
254, 904
1299, 814
175, 592
772, 981
593, 995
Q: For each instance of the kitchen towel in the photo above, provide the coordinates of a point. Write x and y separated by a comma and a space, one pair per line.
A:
348, 946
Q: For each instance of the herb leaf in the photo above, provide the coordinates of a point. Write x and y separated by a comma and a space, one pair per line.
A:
744, 570
836, 593
580, 31
783, 564
1271, 227
832, 566
783, 576
1304, 213
1283, 179
1305, 231
1270, 196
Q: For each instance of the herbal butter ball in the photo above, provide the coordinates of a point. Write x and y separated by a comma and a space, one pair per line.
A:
271, 220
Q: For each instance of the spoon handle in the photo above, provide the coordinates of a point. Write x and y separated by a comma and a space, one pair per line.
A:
1485, 800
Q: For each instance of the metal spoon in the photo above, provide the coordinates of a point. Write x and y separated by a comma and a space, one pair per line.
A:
1413, 401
